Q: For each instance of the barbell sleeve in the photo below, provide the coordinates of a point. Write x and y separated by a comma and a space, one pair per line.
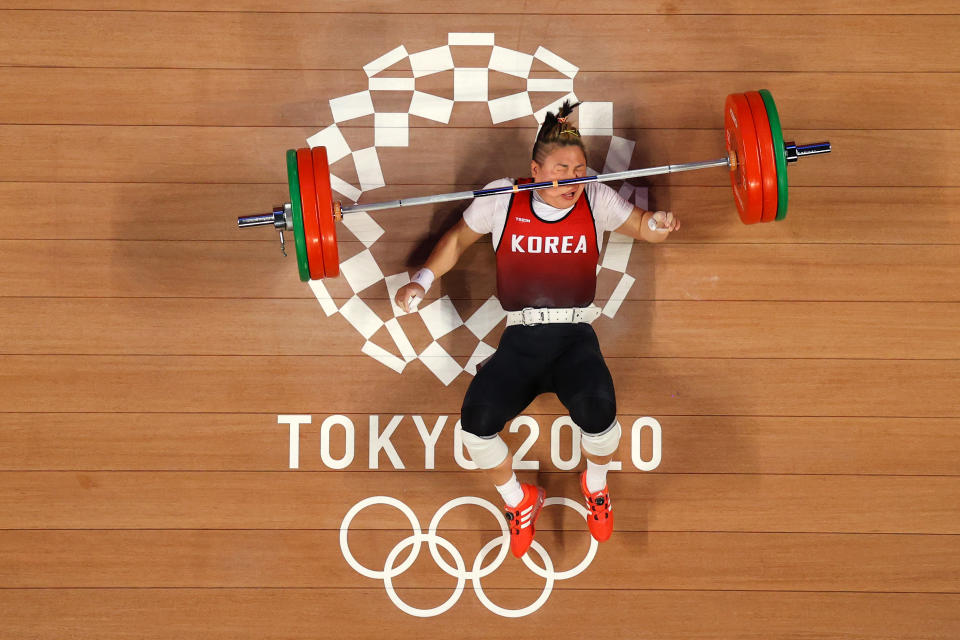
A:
256, 220
278, 219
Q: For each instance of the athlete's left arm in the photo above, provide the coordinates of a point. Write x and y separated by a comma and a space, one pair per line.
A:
637, 225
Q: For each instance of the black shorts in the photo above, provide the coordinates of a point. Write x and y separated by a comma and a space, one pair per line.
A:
561, 358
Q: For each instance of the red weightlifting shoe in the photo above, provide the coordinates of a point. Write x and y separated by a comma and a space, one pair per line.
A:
520, 518
600, 518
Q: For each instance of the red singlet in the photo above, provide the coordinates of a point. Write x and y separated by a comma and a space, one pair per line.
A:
547, 264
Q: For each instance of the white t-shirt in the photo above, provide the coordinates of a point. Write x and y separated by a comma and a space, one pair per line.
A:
489, 214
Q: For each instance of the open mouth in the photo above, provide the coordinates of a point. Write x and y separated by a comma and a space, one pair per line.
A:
568, 195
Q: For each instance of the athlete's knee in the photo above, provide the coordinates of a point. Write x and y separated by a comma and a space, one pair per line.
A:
482, 420
593, 413
604, 443
487, 453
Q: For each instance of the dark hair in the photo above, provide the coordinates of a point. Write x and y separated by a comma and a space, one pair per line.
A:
556, 132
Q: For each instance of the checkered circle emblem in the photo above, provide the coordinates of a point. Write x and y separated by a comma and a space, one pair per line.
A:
385, 340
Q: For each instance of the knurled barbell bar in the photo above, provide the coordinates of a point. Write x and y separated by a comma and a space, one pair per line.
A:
757, 157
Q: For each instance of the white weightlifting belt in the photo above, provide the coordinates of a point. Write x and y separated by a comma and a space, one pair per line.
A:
531, 316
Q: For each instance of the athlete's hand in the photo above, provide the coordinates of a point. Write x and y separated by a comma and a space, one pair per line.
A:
665, 222
409, 296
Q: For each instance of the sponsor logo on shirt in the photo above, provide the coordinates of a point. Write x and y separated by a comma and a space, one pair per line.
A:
548, 244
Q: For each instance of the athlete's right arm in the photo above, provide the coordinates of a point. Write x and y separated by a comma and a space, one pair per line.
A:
442, 259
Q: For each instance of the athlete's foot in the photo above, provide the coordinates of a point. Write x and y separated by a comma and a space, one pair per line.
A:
521, 518
600, 517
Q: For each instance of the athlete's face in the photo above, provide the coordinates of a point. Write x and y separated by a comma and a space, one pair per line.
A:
562, 163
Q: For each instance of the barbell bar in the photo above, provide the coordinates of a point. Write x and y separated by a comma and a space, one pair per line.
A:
757, 157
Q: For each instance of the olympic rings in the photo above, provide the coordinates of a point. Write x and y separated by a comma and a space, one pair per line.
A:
477, 572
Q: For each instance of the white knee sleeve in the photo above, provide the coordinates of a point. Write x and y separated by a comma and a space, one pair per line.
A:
487, 453
602, 444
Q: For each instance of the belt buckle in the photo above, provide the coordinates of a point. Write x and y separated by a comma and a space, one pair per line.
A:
523, 316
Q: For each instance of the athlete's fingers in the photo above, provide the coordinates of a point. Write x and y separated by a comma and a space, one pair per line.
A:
408, 297
403, 298
663, 220
670, 221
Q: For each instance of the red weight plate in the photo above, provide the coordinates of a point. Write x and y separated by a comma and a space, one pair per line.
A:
768, 163
311, 224
328, 227
745, 177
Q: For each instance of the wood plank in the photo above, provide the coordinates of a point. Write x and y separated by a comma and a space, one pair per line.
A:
684, 329
126, 211
689, 444
673, 271
298, 613
141, 39
669, 386
306, 500
867, 215
636, 561
220, 155
130, 211
300, 98
857, 269
785, 329
613, 7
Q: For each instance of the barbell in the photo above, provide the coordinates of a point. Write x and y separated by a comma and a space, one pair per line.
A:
757, 157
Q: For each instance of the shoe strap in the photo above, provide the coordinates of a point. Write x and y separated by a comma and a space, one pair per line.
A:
605, 495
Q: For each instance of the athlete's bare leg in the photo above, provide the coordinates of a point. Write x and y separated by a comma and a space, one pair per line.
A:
501, 473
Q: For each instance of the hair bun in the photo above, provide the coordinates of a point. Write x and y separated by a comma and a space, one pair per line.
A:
551, 120
566, 109
556, 130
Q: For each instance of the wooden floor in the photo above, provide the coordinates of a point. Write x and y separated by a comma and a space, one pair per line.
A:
790, 392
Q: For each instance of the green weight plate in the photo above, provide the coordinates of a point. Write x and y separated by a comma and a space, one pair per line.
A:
299, 238
779, 152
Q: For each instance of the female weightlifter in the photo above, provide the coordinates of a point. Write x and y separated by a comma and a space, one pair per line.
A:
547, 245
